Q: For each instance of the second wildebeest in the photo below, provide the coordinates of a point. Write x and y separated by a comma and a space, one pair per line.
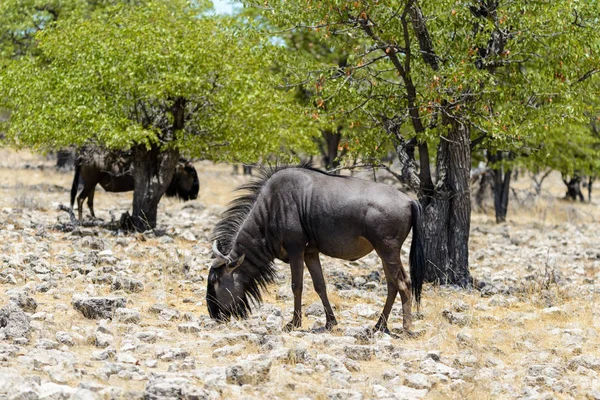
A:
295, 213
116, 177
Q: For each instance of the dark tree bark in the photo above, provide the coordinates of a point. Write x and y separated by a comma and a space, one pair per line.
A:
501, 183
591, 180
501, 186
246, 169
329, 148
152, 172
501, 193
447, 213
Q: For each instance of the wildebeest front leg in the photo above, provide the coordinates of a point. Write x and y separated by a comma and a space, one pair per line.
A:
316, 273
297, 266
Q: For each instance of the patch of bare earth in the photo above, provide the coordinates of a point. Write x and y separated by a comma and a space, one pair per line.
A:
531, 330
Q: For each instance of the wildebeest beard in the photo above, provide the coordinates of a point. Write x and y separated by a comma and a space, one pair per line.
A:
238, 305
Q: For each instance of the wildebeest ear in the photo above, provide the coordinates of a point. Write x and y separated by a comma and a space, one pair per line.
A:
236, 263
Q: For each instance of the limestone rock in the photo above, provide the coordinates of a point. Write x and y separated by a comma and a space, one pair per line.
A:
98, 307
14, 323
248, 372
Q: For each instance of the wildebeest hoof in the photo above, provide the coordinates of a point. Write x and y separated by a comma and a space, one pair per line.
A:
382, 329
330, 324
290, 326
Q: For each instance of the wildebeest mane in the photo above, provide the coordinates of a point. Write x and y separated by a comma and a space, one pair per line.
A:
257, 269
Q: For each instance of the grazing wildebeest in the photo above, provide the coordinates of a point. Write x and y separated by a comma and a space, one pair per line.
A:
116, 178
293, 213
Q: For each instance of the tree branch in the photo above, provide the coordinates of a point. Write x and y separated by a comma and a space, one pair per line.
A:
425, 42
586, 76
477, 141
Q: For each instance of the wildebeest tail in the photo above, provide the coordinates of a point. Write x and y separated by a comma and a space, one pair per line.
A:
417, 254
75, 184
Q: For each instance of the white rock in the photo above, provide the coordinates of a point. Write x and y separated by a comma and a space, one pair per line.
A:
381, 392
127, 357
364, 310
341, 394
103, 340
417, 381
248, 372
127, 316
274, 323
229, 350
408, 393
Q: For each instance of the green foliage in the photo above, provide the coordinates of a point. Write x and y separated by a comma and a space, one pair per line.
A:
116, 77
517, 92
21, 19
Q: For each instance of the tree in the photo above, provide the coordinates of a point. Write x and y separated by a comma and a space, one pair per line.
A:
440, 78
20, 20
157, 79
573, 149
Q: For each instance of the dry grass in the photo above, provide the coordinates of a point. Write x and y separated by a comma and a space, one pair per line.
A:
510, 332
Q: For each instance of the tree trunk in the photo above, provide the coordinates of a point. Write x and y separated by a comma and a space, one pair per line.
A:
447, 212
539, 181
501, 193
152, 172
591, 180
484, 182
330, 150
501, 185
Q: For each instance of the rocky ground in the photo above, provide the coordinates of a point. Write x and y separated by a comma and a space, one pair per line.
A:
94, 314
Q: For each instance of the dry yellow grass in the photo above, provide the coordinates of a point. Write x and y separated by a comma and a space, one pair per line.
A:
512, 332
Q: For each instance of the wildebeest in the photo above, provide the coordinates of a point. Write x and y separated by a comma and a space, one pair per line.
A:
293, 213
116, 178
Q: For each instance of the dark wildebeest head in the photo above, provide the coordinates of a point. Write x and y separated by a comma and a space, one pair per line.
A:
185, 183
240, 268
226, 294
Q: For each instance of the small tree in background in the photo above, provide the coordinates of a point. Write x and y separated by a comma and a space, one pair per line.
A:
158, 79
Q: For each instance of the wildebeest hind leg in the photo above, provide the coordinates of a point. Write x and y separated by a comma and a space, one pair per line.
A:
389, 302
90, 202
297, 266
80, 199
316, 273
405, 294
397, 282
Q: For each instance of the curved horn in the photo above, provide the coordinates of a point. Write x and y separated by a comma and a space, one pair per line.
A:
217, 253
